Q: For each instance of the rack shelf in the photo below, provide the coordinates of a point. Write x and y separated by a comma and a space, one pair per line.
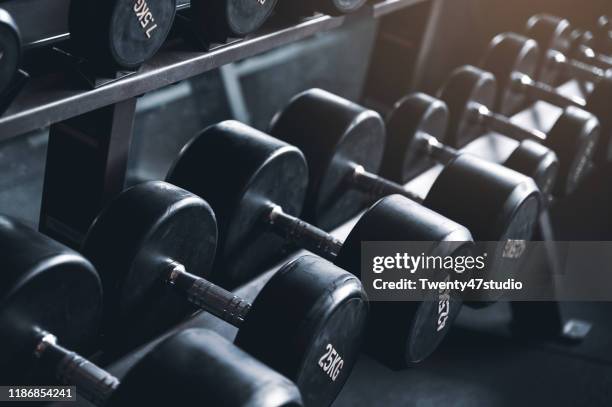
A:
55, 97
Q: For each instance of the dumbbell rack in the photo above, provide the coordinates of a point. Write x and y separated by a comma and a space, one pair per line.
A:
489, 338
90, 129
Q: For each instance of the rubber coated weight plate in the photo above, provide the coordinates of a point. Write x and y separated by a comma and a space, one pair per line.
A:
47, 286
220, 375
510, 53
402, 333
335, 135
507, 208
223, 19
467, 85
536, 161
158, 223
603, 36
313, 335
405, 155
10, 49
305, 8
120, 34
240, 171
598, 103
551, 33
574, 138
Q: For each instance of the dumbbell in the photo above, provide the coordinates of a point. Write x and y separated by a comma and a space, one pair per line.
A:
416, 131
602, 41
12, 79
305, 8
256, 185
470, 96
220, 20
344, 145
153, 246
48, 291
556, 34
117, 35
10, 49
513, 60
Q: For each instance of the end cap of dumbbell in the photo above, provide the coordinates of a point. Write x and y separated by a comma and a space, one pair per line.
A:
412, 115
402, 333
44, 286
538, 162
574, 138
335, 134
131, 244
10, 46
198, 367
511, 53
314, 316
465, 86
240, 171
120, 34
505, 206
220, 20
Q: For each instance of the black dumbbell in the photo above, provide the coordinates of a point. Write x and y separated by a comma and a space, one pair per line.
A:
12, 79
470, 96
513, 58
256, 184
154, 244
416, 131
344, 144
10, 49
306, 8
557, 34
602, 38
48, 291
117, 35
220, 20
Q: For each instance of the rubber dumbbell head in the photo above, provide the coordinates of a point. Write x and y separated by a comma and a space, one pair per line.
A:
120, 34
220, 20
43, 286
199, 366
10, 49
550, 33
122, 244
334, 134
470, 93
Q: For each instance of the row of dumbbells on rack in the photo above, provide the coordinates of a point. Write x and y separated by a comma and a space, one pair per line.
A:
162, 250
110, 40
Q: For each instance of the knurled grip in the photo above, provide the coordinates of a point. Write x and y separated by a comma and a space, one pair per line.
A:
304, 235
92, 382
218, 301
